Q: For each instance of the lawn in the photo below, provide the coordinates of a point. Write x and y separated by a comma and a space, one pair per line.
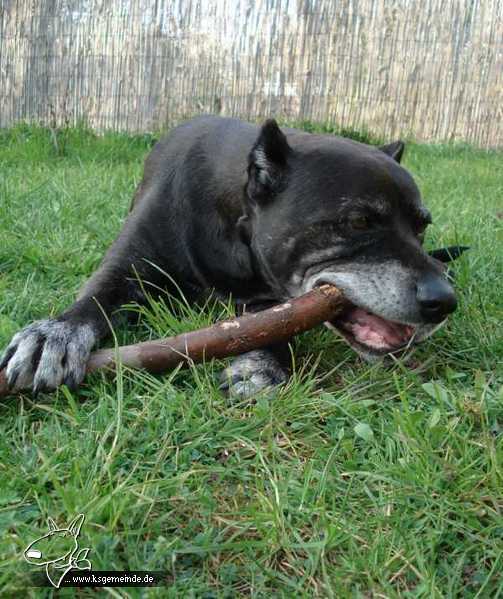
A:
354, 480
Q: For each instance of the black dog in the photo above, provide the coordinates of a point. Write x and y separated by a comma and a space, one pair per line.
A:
266, 215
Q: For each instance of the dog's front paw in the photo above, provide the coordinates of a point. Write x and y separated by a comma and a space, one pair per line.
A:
252, 372
48, 353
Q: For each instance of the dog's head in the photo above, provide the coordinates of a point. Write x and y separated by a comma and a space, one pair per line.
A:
322, 209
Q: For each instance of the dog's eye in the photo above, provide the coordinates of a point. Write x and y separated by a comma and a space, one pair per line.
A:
359, 222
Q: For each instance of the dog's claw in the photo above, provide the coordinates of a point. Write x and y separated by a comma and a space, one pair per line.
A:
70, 382
12, 378
7, 355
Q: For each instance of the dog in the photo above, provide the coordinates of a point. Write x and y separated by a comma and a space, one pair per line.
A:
58, 550
264, 214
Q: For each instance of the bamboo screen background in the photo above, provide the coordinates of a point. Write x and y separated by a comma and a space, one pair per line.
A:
430, 69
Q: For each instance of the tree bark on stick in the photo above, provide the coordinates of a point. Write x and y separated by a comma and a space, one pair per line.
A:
227, 338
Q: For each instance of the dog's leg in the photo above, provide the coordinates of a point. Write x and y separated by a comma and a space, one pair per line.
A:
50, 352
256, 371
53, 351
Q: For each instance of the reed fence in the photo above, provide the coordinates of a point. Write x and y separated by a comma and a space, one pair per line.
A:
430, 69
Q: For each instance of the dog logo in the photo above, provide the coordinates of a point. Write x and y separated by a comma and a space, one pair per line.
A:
58, 551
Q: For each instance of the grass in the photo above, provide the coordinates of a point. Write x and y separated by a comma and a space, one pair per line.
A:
353, 481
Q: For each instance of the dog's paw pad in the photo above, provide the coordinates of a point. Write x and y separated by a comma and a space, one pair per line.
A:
252, 373
48, 353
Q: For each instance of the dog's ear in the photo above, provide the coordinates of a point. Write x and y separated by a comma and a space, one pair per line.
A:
395, 150
75, 525
267, 162
52, 525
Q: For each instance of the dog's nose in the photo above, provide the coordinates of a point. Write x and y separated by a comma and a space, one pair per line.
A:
436, 297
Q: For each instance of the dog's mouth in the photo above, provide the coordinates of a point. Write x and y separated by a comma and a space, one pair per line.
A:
373, 334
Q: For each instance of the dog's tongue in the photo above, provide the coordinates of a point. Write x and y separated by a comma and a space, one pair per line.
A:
375, 331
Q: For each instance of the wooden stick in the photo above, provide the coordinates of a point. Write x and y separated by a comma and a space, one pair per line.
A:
227, 338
